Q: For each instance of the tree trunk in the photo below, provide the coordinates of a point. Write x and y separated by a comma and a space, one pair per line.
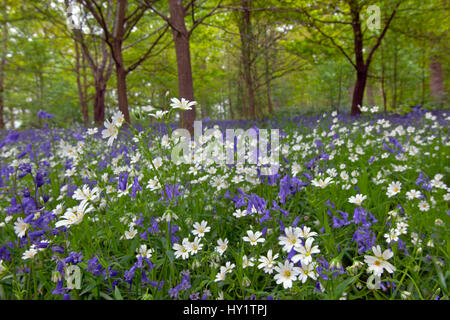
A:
81, 92
182, 51
121, 73
99, 103
361, 70
246, 45
358, 92
383, 79
436, 81
2, 67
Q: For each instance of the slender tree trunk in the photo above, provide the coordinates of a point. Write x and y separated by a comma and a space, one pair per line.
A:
361, 70
182, 51
81, 94
246, 45
2, 66
436, 80
121, 74
99, 102
383, 80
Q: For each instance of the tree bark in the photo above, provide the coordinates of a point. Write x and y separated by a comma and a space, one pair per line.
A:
437, 91
81, 92
361, 70
2, 66
246, 45
121, 73
182, 51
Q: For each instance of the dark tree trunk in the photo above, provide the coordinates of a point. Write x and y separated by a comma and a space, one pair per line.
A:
121, 73
361, 70
121, 77
81, 92
246, 44
436, 80
99, 103
2, 73
383, 80
182, 51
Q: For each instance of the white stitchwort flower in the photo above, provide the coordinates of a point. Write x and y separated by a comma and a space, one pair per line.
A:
378, 262
307, 270
182, 250
254, 238
358, 199
20, 227
29, 254
183, 104
74, 215
144, 252
287, 273
305, 252
110, 132
393, 188
222, 246
201, 228
268, 263
291, 239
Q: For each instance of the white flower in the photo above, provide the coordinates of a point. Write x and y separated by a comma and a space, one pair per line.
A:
29, 254
182, 250
306, 233
86, 194
222, 246
183, 104
2, 267
159, 114
195, 246
118, 119
291, 239
144, 252
130, 234
239, 213
287, 273
424, 206
200, 229
92, 131
358, 199
110, 132
268, 262
20, 227
379, 262
307, 270
74, 215
220, 276
295, 169
322, 183
393, 188
305, 252
254, 238
413, 194
228, 268
247, 262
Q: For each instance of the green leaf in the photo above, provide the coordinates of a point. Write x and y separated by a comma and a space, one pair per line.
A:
117, 294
